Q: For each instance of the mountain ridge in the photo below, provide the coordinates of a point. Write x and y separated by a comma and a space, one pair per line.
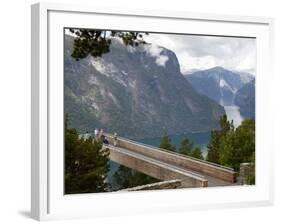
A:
218, 83
245, 99
136, 92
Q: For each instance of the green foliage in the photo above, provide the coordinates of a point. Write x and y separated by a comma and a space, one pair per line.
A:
197, 153
230, 147
86, 164
97, 42
186, 147
226, 126
166, 143
213, 152
239, 146
251, 178
244, 140
126, 178
216, 137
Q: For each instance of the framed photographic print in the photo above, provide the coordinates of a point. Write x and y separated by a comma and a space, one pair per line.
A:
148, 111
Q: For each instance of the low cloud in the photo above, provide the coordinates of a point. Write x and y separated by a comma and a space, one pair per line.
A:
155, 51
203, 52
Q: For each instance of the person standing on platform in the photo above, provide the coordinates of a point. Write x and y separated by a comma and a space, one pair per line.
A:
96, 134
115, 139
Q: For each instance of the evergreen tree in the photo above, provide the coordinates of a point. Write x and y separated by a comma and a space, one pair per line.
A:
166, 143
226, 127
244, 140
239, 146
86, 164
186, 147
230, 147
227, 151
213, 147
197, 153
97, 42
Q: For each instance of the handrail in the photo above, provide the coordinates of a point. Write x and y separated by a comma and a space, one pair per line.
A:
167, 151
134, 154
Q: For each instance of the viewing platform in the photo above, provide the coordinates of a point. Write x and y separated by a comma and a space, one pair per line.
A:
167, 166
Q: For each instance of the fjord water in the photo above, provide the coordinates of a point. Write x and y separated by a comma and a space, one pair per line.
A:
233, 113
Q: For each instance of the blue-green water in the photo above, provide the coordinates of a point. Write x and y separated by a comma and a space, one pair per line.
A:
113, 167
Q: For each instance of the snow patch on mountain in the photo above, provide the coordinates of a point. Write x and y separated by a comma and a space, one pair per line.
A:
109, 70
133, 84
104, 68
124, 73
219, 84
91, 101
115, 101
224, 84
93, 80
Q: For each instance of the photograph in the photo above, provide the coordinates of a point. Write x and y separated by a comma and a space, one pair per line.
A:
152, 111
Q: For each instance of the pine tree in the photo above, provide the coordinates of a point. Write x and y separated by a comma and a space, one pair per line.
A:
213, 147
238, 146
197, 153
186, 147
230, 147
86, 164
166, 143
226, 127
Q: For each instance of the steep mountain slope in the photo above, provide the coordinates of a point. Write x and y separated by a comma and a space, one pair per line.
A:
137, 93
245, 99
218, 83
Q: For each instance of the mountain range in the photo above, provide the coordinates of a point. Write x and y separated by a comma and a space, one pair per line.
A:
219, 83
137, 92
245, 99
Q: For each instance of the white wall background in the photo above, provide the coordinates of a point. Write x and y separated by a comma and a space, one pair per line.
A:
15, 110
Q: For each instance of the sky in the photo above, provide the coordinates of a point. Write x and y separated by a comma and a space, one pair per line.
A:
196, 52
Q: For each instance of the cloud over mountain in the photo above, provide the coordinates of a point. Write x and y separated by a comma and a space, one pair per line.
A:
204, 52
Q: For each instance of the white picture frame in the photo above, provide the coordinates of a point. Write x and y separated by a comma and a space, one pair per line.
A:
48, 201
